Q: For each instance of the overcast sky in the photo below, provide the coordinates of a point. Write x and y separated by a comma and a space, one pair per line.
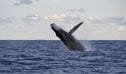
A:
30, 19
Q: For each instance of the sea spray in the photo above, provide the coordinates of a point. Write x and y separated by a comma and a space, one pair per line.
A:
87, 45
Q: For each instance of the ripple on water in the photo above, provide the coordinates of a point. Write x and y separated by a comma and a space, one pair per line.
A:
52, 57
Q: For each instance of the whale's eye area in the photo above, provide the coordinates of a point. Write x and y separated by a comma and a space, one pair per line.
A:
53, 25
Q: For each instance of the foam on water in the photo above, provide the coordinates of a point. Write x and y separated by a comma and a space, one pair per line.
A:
87, 45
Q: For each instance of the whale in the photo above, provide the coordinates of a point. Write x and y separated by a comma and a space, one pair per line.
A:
67, 38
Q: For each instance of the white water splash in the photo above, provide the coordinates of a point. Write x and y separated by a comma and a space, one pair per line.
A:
87, 45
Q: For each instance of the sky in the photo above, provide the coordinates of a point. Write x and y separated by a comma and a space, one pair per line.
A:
31, 19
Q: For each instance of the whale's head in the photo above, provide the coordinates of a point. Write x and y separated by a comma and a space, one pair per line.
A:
59, 31
55, 27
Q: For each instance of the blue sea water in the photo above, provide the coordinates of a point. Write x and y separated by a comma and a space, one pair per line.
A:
52, 57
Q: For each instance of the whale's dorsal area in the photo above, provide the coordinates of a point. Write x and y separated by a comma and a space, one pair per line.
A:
67, 38
75, 28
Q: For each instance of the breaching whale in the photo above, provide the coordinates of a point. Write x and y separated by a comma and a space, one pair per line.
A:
67, 38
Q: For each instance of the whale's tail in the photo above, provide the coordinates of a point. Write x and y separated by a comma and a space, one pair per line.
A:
75, 28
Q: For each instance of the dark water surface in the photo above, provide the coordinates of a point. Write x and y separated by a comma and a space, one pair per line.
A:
52, 57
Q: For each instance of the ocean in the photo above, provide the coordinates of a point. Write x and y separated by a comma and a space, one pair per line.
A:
52, 57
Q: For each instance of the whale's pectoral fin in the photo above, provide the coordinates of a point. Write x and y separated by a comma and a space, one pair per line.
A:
75, 28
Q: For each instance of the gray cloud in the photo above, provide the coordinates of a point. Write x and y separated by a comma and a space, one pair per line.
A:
60, 18
31, 18
114, 19
66, 17
71, 19
117, 20
20, 2
82, 10
91, 21
108, 20
6, 20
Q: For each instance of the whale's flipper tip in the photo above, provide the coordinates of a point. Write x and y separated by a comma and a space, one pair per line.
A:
81, 23
75, 28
